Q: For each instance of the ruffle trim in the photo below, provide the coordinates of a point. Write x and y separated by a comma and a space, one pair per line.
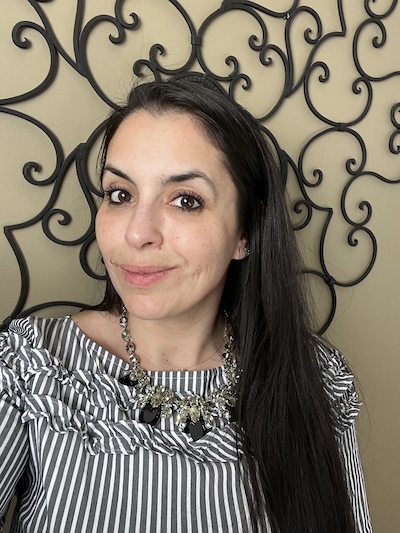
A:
340, 388
103, 412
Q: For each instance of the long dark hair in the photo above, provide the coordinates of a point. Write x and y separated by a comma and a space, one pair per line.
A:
283, 416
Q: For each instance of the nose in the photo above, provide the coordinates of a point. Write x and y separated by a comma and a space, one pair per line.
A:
144, 227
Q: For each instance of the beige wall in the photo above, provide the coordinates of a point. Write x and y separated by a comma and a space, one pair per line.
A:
366, 326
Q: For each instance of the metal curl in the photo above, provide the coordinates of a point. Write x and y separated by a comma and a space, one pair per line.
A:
394, 146
17, 30
376, 43
366, 205
322, 39
363, 204
323, 78
317, 173
64, 221
83, 39
352, 241
284, 92
73, 62
245, 85
297, 208
308, 31
32, 165
357, 89
253, 38
28, 168
152, 63
120, 18
395, 109
376, 15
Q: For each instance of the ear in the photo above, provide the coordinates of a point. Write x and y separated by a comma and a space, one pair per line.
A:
242, 249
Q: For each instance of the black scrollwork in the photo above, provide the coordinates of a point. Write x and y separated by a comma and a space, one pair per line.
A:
298, 75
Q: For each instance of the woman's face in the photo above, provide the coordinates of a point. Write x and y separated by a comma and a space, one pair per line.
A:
168, 225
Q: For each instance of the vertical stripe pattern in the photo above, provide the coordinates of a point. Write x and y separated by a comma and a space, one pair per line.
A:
72, 447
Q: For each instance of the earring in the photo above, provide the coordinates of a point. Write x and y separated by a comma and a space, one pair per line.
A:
245, 250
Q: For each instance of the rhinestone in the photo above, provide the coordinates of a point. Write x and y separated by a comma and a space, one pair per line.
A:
208, 420
157, 398
166, 411
125, 336
194, 414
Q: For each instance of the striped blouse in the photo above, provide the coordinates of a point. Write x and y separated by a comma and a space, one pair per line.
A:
74, 452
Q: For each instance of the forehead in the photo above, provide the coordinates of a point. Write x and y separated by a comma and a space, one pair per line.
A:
169, 133
166, 118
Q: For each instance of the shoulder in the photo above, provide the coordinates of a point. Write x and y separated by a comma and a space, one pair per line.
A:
27, 339
34, 343
31, 330
103, 328
338, 383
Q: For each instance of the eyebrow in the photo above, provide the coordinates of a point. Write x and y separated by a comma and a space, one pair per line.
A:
117, 172
174, 178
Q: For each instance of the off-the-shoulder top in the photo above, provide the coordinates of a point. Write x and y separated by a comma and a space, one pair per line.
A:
73, 450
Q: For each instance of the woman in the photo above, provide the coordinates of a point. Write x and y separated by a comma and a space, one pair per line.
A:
194, 398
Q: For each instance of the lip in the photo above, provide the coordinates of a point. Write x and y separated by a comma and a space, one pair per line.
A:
144, 275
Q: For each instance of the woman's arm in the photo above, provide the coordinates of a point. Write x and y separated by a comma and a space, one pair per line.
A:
355, 479
13, 453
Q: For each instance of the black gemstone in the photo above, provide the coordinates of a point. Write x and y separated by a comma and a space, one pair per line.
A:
150, 415
126, 380
195, 429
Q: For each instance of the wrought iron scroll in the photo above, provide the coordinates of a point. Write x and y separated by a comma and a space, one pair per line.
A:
297, 77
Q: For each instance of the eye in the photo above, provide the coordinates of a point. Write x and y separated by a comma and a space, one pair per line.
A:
117, 196
188, 202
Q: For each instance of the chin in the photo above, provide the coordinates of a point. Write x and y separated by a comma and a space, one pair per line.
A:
147, 310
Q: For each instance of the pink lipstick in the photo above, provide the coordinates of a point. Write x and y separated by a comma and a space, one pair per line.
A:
144, 276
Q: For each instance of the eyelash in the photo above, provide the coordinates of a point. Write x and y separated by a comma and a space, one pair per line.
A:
107, 193
189, 194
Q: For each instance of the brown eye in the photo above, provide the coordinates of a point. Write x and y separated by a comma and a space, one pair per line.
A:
119, 196
187, 202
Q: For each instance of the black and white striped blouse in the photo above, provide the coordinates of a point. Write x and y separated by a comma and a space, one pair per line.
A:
74, 452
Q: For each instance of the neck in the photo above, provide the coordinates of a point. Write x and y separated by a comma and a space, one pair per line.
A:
178, 345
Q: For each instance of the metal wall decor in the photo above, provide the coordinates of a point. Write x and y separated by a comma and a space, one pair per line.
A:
298, 76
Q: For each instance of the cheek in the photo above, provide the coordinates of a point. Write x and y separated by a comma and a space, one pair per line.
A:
104, 231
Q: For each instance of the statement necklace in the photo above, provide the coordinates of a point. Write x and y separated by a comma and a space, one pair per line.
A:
193, 413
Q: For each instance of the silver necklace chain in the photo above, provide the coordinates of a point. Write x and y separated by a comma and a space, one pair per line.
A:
193, 414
